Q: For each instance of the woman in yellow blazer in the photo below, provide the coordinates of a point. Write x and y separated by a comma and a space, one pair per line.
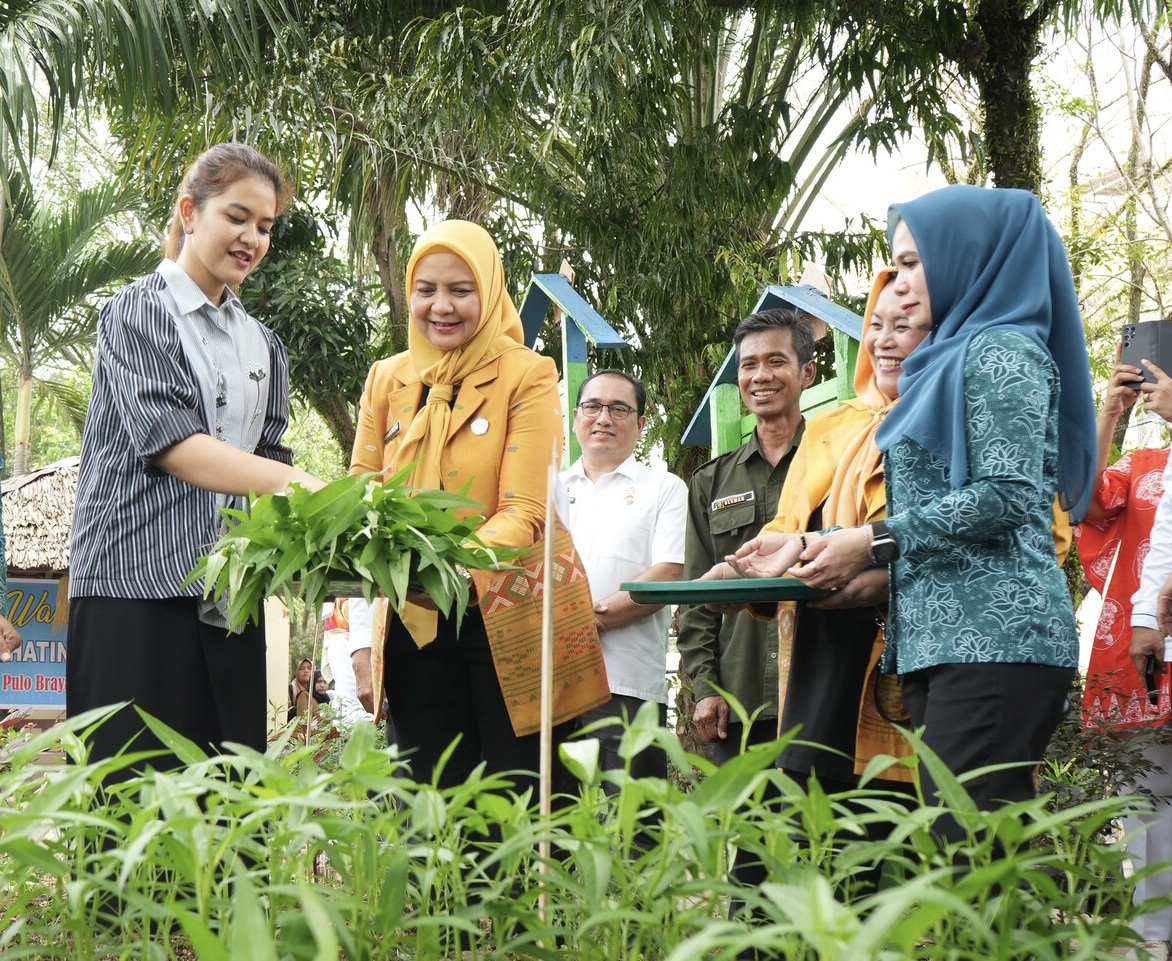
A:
469, 404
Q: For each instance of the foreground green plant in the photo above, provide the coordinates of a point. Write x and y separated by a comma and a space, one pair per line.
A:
270, 857
381, 534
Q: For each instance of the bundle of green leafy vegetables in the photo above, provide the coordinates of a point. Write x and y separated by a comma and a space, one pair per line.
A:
381, 535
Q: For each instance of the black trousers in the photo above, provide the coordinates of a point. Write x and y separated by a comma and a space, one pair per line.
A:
650, 762
450, 689
981, 714
208, 685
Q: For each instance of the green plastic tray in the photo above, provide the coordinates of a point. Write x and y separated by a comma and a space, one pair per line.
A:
742, 590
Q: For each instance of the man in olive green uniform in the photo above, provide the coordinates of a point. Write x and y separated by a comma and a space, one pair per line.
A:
729, 500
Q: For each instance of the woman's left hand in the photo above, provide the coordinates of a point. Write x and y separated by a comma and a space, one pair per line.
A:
831, 561
866, 589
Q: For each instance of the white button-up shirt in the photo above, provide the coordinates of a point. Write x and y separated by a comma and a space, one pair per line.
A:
1158, 564
630, 520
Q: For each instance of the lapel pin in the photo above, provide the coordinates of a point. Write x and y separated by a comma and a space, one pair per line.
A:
480, 426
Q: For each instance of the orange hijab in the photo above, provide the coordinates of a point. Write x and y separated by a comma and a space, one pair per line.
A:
857, 493
837, 463
443, 371
838, 466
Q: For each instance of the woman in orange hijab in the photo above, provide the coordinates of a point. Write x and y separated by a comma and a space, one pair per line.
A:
468, 404
829, 649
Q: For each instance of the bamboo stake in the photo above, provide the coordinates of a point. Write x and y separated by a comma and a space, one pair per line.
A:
315, 653
546, 747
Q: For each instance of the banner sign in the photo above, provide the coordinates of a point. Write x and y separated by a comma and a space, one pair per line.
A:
35, 677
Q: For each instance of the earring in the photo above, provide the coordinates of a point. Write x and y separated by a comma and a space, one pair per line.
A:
188, 229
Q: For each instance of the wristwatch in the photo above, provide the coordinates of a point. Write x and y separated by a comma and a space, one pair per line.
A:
883, 549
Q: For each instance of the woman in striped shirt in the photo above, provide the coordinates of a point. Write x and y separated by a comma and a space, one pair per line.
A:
190, 400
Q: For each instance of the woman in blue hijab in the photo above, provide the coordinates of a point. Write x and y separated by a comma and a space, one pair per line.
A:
995, 417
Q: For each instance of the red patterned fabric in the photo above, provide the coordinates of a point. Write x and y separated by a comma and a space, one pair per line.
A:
1112, 553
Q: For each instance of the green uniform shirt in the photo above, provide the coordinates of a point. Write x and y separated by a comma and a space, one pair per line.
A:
729, 500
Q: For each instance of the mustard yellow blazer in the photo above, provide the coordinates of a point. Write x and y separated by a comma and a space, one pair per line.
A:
505, 430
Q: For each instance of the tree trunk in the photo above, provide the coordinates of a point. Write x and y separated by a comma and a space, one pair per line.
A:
4, 468
1074, 186
22, 425
1012, 135
1136, 268
390, 214
339, 418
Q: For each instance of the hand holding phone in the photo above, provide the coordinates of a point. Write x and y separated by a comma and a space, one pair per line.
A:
1152, 670
1150, 340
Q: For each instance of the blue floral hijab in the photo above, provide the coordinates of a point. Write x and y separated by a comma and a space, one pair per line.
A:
991, 258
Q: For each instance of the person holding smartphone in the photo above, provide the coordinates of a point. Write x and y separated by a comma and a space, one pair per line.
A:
1113, 541
1127, 555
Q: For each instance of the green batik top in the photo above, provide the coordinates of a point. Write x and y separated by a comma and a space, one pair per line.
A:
976, 580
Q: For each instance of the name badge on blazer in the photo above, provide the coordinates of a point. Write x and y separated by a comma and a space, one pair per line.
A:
392, 433
732, 500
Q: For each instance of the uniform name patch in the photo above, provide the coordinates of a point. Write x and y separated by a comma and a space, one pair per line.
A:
732, 500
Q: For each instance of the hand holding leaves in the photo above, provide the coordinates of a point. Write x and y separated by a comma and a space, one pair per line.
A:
381, 534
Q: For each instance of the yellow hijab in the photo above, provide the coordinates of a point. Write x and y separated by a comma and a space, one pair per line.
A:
857, 493
498, 330
838, 465
443, 371
838, 449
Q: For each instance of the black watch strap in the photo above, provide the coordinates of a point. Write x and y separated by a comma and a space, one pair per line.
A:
883, 549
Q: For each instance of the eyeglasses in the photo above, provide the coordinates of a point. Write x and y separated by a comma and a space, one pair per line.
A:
592, 409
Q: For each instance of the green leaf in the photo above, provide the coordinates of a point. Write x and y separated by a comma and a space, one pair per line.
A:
385, 535
292, 562
250, 936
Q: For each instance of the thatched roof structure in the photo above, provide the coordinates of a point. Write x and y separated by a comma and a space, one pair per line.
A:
38, 514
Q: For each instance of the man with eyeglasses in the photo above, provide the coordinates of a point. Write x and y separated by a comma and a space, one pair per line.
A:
627, 521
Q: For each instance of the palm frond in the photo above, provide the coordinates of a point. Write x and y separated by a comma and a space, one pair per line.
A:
53, 261
133, 54
68, 397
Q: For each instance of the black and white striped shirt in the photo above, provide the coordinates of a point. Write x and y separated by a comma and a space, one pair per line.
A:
137, 531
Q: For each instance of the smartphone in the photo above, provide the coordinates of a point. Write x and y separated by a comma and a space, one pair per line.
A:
1151, 340
1152, 671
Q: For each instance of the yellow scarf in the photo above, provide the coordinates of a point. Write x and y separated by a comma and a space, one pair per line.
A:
838, 465
857, 488
837, 462
443, 371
